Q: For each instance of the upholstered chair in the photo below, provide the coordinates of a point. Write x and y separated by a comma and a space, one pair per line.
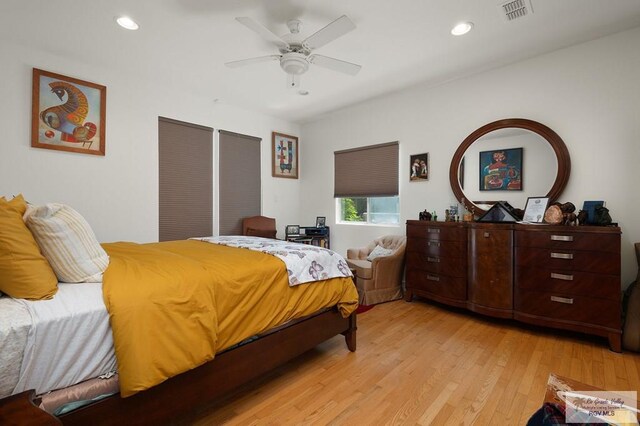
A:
380, 279
259, 226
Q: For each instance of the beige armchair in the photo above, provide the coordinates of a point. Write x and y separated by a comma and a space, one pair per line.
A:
381, 279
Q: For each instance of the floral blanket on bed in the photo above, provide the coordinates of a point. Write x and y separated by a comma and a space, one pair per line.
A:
305, 263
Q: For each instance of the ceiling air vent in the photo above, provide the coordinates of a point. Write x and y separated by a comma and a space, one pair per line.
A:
515, 9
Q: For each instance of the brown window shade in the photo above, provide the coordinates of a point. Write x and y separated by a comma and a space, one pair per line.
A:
239, 177
185, 154
369, 171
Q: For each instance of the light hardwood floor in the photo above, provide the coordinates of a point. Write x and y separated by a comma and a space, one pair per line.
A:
419, 363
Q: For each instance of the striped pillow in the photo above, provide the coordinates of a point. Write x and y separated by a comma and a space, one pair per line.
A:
68, 242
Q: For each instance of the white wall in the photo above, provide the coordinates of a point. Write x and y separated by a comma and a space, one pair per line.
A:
589, 94
118, 193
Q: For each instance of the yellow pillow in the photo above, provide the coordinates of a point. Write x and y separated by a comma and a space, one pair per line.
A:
24, 272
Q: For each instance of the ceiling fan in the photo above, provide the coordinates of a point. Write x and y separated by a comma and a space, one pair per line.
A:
296, 53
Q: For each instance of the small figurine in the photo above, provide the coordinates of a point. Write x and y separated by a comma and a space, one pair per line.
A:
582, 217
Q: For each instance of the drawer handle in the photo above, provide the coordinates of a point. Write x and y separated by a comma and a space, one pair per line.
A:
434, 230
562, 277
561, 238
433, 243
566, 256
562, 300
433, 278
433, 259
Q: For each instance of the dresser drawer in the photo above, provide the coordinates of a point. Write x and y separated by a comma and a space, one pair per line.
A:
437, 284
453, 266
571, 308
437, 248
437, 233
569, 260
606, 242
569, 282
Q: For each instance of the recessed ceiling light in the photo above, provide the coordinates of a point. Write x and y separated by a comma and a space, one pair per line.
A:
462, 28
303, 92
128, 23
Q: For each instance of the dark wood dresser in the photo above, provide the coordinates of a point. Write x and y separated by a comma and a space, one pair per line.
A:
555, 276
569, 277
436, 259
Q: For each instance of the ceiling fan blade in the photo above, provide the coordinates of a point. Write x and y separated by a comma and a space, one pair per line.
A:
243, 62
335, 64
293, 81
336, 29
264, 32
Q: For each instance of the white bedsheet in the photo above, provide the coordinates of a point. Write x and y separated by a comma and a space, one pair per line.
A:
69, 340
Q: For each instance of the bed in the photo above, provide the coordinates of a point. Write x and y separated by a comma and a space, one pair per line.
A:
296, 319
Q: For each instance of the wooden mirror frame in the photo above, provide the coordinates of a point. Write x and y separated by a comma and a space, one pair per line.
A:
556, 142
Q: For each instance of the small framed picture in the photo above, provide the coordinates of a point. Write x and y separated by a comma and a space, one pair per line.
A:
292, 230
284, 153
321, 222
535, 208
419, 167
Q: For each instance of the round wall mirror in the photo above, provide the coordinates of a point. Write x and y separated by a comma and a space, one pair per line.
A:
509, 160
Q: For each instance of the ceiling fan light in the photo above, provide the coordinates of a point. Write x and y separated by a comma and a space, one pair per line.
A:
294, 63
462, 28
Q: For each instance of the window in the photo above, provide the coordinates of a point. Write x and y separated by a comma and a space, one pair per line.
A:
185, 154
239, 177
374, 210
366, 184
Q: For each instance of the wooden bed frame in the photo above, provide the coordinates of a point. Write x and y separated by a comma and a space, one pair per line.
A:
185, 393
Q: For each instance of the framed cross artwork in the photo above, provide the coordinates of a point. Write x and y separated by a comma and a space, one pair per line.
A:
284, 154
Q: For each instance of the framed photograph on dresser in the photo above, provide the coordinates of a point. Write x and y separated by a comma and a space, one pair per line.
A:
535, 208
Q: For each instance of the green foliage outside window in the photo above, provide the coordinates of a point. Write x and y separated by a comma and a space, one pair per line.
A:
350, 211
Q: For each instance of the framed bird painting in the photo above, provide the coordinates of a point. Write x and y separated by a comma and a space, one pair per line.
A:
68, 114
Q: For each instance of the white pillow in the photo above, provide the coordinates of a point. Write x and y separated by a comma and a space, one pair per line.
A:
378, 251
68, 242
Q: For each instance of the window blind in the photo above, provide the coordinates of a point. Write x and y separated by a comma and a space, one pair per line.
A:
185, 154
239, 177
368, 171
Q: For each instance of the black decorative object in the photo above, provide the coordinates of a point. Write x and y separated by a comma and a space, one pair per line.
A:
602, 216
425, 215
500, 212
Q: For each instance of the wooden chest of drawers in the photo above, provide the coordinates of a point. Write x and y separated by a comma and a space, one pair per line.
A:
569, 278
437, 261
555, 276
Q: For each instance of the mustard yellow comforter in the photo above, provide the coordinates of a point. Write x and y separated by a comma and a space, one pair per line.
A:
173, 305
